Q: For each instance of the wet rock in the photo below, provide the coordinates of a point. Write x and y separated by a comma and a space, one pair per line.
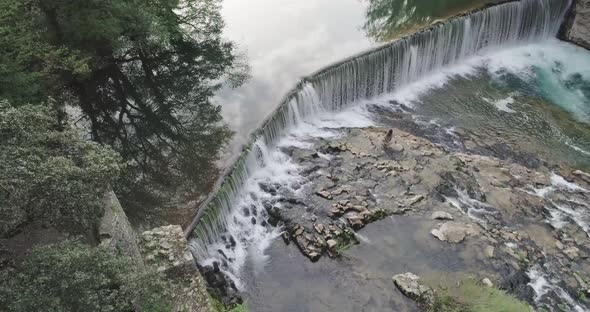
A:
453, 232
319, 228
325, 194
441, 215
559, 245
414, 200
355, 222
314, 256
286, 237
572, 253
331, 243
409, 284
516, 283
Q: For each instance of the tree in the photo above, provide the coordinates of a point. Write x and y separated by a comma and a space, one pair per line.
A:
71, 276
386, 19
49, 173
141, 72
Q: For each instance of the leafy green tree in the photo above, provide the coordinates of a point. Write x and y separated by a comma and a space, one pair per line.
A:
49, 173
141, 72
71, 276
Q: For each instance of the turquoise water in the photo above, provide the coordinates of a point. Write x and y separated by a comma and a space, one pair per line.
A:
386, 19
535, 98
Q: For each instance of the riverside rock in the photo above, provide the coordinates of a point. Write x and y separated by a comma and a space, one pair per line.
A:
441, 215
409, 284
453, 232
577, 25
166, 249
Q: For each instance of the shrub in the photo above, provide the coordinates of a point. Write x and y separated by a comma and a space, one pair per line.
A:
71, 276
49, 173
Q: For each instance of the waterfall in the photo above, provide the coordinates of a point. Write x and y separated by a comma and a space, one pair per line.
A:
337, 86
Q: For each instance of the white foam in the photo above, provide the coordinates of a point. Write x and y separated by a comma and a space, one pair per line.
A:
560, 213
560, 182
502, 104
577, 148
538, 283
542, 284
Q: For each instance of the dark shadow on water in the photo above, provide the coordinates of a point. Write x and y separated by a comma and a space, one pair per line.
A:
361, 279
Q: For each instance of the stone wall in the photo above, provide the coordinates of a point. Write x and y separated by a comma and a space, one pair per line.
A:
115, 231
166, 249
577, 24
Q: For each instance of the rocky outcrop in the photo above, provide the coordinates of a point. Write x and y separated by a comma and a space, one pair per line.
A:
166, 249
409, 284
576, 28
453, 232
507, 214
115, 231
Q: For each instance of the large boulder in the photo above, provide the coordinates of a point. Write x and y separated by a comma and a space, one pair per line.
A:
409, 284
453, 232
577, 25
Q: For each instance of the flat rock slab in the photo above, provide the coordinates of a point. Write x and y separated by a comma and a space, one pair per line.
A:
453, 232
441, 215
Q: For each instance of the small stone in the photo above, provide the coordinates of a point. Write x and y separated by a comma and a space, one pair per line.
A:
286, 238
414, 200
355, 222
331, 243
438, 234
324, 194
441, 215
559, 245
298, 232
489, 251
314, 256
319, 228
572, 253
486, 281
166, 245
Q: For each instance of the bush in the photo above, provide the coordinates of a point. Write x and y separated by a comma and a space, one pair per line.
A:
49, 173
71, 276
469, 296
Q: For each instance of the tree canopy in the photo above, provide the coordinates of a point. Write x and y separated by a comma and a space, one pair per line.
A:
72, 277
140, 72
50, 174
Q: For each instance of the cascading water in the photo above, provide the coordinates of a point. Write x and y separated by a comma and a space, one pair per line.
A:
232, 222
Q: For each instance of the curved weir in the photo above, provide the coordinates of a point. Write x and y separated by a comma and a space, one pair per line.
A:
370, 74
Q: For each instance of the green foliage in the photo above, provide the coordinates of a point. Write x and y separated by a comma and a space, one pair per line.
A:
218, 306
387, 19
469, 296
74, 277
239, 308
141, 72
48, 173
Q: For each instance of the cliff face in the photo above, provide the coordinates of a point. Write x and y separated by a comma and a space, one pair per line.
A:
577, 24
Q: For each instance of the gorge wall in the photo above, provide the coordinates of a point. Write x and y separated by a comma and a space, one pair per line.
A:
577, 25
